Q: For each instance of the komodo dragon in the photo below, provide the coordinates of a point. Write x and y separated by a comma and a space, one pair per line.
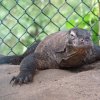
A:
62, 49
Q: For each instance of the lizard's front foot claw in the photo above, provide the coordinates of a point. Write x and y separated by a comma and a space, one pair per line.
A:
22, 78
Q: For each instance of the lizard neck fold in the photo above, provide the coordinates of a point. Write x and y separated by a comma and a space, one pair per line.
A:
90, 55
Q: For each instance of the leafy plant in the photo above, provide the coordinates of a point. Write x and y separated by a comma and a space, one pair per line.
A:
23, 22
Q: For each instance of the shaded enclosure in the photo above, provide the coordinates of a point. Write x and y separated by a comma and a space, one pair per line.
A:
23, 22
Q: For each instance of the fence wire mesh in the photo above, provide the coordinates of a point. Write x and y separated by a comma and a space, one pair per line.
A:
23, 22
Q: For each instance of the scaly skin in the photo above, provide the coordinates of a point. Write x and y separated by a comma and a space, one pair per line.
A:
60, 50
16, 59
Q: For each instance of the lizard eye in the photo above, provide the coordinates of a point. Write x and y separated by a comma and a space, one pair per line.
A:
72, 35
87, 38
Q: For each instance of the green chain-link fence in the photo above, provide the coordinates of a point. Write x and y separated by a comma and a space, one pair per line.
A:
23, 22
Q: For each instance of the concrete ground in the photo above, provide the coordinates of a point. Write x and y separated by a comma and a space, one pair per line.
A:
52, 84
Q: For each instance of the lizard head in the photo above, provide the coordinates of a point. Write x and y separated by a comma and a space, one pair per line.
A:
79, 38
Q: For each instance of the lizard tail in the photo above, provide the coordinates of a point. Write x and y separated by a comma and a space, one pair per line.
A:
11, 59
16, 59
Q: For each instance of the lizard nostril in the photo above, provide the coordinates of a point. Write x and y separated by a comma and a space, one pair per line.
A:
81, 40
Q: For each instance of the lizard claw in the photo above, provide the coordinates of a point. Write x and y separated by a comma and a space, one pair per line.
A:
22, 78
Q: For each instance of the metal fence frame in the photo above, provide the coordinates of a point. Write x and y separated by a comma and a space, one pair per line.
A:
3, 41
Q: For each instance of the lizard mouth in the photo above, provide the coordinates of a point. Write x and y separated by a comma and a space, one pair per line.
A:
81, 46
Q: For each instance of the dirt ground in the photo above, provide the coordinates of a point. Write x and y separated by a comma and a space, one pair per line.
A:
53, 84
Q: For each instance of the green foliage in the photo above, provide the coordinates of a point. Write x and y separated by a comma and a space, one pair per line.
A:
87, 19
24, 22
